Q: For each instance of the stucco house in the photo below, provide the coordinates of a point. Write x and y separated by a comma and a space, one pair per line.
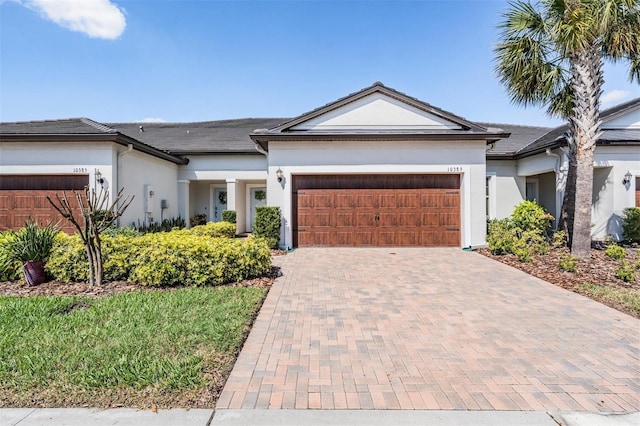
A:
375, 168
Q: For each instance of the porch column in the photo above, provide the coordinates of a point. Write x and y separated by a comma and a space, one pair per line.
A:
183, 200
231, 199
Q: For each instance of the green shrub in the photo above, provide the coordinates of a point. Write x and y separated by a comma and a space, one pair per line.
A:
165, 226
30, 243
229, 216
501, 236
631, 224
68, 261
531, 216
9, 269
167, 259
626, 272
125, 231
559, 239
199, 219
214, 230
267, 224
568, 263
180, 257
614, 251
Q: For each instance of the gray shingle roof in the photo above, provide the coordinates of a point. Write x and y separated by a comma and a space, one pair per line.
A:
223, 136
75, 126
555, 138
521, 136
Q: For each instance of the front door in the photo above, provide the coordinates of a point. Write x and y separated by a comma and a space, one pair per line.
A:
219, 203
258, 197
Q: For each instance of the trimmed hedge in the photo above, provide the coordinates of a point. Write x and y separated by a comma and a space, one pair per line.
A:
229, 216
9, 270
631, 224
267, 226
195, 257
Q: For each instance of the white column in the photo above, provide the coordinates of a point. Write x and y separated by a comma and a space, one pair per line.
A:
232, 199
183, 200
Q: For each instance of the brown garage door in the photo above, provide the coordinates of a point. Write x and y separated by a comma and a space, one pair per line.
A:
374, 210
24, 197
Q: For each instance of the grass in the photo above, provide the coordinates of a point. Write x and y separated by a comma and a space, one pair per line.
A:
129, 348
627, 298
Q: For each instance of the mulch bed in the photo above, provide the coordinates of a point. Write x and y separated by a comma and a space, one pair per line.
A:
598, 270
56, 288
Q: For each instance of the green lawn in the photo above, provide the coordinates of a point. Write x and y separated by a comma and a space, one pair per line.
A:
626, 299
165, 348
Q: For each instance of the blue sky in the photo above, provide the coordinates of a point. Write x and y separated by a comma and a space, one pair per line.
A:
170, 60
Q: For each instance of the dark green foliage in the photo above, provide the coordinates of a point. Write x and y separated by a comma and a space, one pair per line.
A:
631, 225
199, 219
31, 243
268, 222
164, 226
229, 216
523, 234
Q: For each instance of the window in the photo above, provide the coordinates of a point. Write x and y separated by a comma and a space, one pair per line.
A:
532, 190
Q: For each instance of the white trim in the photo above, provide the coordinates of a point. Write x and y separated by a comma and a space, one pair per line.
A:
248, 188
492, 176
212, 196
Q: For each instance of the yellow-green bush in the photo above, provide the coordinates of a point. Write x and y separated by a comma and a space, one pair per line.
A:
213, 230
165, 258
68, 259
168, 259
9, 269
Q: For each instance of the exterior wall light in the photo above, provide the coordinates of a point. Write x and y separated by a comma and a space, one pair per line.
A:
279, 175
627, 179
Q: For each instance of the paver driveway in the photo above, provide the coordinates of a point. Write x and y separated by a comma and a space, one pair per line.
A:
431, 329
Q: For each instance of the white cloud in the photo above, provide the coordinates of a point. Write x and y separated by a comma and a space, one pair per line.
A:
613, 96
152, 120
96, 18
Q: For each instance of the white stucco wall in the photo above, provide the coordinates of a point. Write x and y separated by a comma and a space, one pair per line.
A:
362, 157
58, 158
612, 197
137, 170
223, 167
509, 187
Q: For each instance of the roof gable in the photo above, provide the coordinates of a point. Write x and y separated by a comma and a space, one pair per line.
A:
377, 108
376, 112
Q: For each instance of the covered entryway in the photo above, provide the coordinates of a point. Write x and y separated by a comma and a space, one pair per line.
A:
24, 197
376, 210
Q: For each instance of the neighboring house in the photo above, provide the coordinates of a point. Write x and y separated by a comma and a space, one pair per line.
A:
376, 167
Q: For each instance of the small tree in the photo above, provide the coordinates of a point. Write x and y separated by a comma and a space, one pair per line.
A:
97, 215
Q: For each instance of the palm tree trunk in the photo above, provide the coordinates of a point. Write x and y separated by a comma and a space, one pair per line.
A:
567, 213
586, 81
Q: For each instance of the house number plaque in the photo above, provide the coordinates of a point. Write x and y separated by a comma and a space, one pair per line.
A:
80, 170
454, 168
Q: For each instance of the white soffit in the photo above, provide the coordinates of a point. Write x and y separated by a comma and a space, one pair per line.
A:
630, 120
377, 112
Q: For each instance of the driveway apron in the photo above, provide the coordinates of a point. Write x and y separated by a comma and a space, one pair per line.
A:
435, 329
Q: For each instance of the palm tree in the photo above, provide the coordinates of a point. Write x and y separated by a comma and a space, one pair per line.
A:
551, 54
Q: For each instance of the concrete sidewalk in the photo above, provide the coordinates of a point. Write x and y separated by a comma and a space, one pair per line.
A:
206, 417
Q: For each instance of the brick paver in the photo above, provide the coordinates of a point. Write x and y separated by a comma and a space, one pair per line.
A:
408, 328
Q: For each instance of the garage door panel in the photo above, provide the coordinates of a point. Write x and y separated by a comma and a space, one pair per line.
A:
364, 219
364, 201
408, 219
345, 238
344, 218
410, 201
388, 200
387, 218
322, 201
344, 200
363, 237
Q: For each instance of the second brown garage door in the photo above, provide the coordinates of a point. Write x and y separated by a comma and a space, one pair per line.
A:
375, 210
24, 198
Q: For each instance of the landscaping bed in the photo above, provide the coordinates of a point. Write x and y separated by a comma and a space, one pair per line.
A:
122, 344
594, 278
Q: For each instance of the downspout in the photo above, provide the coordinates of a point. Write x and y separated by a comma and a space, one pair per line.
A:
118, 168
